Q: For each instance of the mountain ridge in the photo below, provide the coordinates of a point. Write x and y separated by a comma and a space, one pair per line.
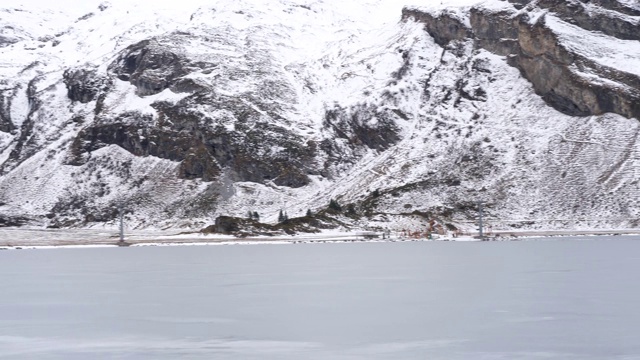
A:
406, 122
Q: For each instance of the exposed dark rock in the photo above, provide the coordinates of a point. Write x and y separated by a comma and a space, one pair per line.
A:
614, 5
226, 225
6, 41
472, 93
84, 85
6, 125
246, 227
24, 147
12, 221
150, 66
308, 224
258, 153
444, 28
583, 15
85, 17
548, 65
519, 4
542, 59
187, 86
145, 141
199, 164
364, 125
496, 32
241, 227
254, 150
76, 210
618, 6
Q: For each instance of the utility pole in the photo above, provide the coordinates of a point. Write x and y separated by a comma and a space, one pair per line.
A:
121, 215
480, 230
121, 243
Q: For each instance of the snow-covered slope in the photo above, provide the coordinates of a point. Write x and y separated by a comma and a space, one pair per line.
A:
193, 110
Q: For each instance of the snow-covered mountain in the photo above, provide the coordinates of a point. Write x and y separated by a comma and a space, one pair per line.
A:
195, 109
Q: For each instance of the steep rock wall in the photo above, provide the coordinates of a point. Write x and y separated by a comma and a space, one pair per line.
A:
555, 71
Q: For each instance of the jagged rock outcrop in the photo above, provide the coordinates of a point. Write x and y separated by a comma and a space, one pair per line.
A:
6, 41
497, 32
140, 141
591, 17
84, 85
13, 221
550, 67
364, 125
443, 27
25, 145
562, 76
254, 151
5, 125
5, 120
613, 5
150, 66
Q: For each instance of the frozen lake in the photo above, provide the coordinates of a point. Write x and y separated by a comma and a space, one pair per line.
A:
557, 299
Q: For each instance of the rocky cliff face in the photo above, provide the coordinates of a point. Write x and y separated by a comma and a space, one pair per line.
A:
84, 85
5, 120
607, 17
531, 39
151, 67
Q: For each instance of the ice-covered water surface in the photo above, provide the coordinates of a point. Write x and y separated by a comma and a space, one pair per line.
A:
561, 299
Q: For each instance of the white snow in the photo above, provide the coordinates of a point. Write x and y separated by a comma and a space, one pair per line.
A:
124, 99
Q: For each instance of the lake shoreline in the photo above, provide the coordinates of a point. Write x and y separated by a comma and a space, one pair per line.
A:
85, 238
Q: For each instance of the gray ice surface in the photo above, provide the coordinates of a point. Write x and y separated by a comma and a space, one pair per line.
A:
557, 299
